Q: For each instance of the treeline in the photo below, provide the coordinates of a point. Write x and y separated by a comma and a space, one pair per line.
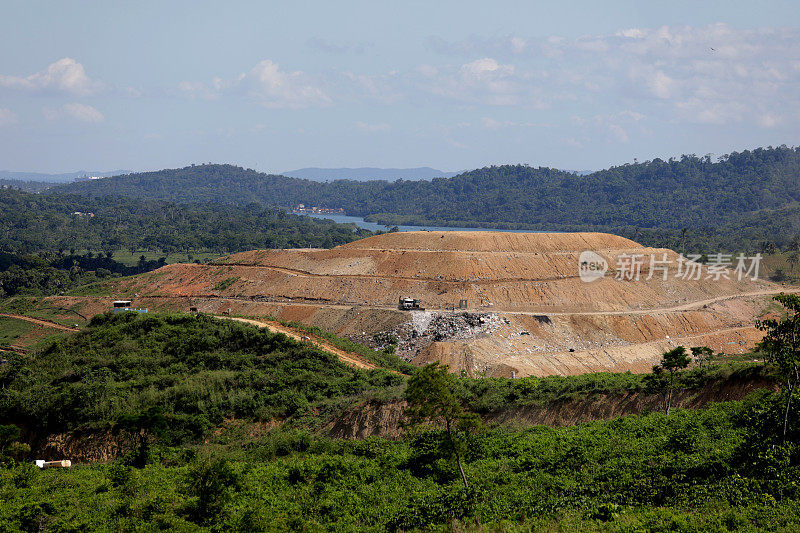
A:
33, 223
750, 195
50, 273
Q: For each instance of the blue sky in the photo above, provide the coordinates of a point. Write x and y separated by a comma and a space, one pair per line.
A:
453, 85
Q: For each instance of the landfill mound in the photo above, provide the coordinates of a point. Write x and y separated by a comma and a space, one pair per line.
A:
494, 303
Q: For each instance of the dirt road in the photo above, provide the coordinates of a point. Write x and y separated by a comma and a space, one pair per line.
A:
649, 311
694, 304
40, 322
348, 358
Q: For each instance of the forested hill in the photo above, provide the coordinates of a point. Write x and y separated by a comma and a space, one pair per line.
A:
36, 223
199, 184
690, 192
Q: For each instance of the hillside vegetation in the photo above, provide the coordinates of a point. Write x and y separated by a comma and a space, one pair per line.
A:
195, 369
742, 198
197, 397
53, 243
32, 223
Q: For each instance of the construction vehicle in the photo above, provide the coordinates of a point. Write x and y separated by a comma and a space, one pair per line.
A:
409, 304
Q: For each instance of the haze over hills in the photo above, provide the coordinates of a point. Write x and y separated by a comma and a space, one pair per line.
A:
368, 173
67, 177
744, 196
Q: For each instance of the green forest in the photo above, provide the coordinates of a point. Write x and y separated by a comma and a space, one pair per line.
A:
225, 426
32, 223
52, 243
741, 201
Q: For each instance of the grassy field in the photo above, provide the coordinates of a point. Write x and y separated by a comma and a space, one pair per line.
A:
11, 329
786, 262
25, 335
45, 310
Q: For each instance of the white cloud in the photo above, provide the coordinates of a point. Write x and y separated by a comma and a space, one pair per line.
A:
509, 44
275, 88
383, 88
490, 123
661, 84
493, 124
65, 75
706, 111
714, 74
611, 126
769, 121
482, 81
75, 111
7, 117
517, 44
633, 33
371, 128
337, 48
480, 68
265, 83
427, 71
197, 90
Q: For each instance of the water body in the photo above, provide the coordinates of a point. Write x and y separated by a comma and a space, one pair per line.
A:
374, 226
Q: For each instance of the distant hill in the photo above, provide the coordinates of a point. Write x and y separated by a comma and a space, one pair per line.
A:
368, 173
203, 183
67, 177
760, 188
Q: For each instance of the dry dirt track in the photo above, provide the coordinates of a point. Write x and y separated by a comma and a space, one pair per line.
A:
306, 274
688, 306
346, 357
676, 309
40, 322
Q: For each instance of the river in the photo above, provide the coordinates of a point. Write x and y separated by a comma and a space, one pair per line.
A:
374, 226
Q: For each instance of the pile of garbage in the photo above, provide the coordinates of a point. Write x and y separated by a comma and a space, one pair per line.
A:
427, 327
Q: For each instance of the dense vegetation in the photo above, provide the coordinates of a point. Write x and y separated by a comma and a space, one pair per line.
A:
649, 473
195, 390
54, 273
741, 200
23, 185
31, 223
53, 243
197, 370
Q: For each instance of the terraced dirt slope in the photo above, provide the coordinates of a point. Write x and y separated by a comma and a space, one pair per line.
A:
532, 312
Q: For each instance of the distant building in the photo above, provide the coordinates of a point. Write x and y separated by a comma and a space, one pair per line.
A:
122, 306
301, 209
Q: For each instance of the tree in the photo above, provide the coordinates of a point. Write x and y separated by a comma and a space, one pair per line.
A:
430, 399
778, 276
794, 244
672, 363
702, 354
792, 260
781, 347
211, 481
144, 427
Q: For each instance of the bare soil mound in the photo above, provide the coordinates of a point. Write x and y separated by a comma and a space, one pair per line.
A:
551, 320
